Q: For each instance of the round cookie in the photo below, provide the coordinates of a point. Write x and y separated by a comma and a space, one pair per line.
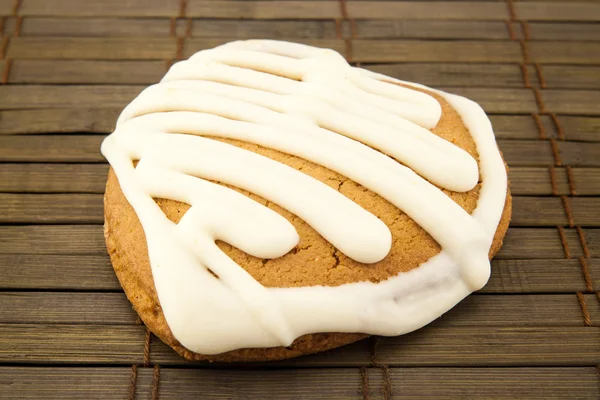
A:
314, 261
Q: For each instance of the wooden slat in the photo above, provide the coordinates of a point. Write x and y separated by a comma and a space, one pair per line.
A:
594, 267
592, 237
571, 77
94, 272
563, 31
424, 29
526, 152
493, 100
93, 48
88, 208
67, 272
155, 27
446, 51
496, 383
586, 210
582, 154
521, 126
564, 52
493, 346
520, 310
51, 208
62, 239
537, 276
581, 128
586, 181
66, 383
538, 211
499, 100
537, 181
97, 120
102, 120
48, 96
270, 29
264, 9
87, 72
99, 27
106, 8
437, 75
115, 309
88, 239
91, 178
73, 148
52, 178
406, 383
341, 383
520, 243
68, 308
564, 11
447, 74
424, 10
572, 101
455, 346
86, 148
61, 343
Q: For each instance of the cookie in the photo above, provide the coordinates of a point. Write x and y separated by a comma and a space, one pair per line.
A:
266, 200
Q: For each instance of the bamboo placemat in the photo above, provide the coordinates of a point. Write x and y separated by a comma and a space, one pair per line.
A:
69, 66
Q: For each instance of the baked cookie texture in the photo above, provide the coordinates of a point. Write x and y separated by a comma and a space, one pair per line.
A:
314, 261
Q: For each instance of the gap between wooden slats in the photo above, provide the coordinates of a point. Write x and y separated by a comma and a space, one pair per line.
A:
88, 308
113, 382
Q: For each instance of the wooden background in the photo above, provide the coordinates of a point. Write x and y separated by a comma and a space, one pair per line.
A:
69, 66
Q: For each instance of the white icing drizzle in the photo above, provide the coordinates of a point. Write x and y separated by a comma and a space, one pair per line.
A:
310, 103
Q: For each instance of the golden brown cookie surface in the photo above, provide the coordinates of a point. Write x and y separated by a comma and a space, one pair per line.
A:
313, 262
